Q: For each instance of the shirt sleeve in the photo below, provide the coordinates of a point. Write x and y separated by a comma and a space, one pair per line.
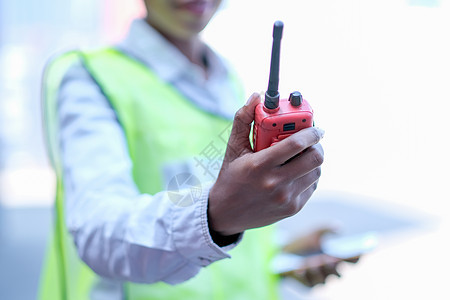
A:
119, 232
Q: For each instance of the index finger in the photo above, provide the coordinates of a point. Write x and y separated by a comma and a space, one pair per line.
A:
291, 146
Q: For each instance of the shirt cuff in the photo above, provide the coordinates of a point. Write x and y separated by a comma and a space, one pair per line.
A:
191, 233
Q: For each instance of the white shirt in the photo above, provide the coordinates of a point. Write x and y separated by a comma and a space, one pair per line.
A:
119, 232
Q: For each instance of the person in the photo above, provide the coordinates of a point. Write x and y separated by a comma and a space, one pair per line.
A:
136, 134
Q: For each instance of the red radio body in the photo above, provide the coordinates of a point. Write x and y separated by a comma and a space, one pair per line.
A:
274, 125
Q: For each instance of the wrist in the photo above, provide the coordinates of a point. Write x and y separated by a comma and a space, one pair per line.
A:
223, 240
220, 238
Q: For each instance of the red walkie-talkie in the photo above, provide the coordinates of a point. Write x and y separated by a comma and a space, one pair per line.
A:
277, 119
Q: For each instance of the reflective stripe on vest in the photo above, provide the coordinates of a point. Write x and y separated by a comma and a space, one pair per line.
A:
161, 128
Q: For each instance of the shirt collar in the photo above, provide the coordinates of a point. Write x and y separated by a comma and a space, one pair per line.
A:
149, 46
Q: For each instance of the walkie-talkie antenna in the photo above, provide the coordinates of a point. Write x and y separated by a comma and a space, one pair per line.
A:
272, 97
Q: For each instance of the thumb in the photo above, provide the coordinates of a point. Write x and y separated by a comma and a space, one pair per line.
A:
246, 114
239, 143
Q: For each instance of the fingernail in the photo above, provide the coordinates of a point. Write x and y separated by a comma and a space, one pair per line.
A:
321, 131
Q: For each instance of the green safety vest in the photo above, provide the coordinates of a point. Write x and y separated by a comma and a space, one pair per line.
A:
161, 126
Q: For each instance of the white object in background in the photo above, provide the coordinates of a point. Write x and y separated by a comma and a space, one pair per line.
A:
350, 245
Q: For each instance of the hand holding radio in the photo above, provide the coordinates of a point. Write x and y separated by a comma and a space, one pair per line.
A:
255, 189
258, 189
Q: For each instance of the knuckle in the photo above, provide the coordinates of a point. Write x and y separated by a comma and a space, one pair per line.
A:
239, 114
297, 143
239, 118
270, 185
317, 157
316, 136
242, 115
254, 165
317, 172
288, 204
291, 208
319, 147
314, 186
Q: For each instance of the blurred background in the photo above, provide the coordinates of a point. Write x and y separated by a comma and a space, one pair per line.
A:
377, 74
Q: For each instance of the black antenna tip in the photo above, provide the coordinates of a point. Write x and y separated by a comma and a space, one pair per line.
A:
272, 96
278, 30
